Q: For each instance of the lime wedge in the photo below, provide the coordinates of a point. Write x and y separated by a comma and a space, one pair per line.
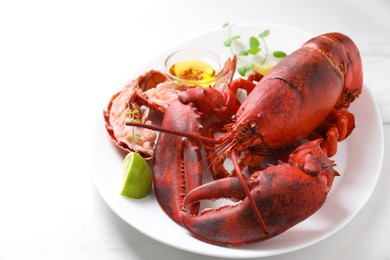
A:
262, 69
137, 176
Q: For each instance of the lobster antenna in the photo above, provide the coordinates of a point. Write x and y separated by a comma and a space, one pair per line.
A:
175, 132
247, 191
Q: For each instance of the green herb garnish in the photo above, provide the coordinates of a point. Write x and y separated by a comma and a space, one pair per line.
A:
279, 54
132, 114
257, 47
229, 41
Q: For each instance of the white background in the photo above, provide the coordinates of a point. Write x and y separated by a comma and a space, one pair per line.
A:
59, 61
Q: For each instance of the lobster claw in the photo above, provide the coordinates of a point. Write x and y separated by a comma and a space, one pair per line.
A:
285, 194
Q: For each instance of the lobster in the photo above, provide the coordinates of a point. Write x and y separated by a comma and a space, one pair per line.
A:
300, 105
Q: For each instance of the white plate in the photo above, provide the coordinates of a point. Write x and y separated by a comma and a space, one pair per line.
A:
359, 161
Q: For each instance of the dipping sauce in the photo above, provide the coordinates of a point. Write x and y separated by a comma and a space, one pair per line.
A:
193, 70
193, 67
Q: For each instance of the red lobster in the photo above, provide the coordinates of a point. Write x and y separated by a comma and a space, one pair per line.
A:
304, 97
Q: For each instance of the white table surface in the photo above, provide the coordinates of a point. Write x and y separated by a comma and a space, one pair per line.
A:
57, 59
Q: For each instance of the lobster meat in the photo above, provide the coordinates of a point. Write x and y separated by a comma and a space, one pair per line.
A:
301, 103
127, 102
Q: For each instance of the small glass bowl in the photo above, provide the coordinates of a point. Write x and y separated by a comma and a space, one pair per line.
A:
191, 58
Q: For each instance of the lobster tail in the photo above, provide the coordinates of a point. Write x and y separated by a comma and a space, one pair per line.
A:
353, 66
345, 56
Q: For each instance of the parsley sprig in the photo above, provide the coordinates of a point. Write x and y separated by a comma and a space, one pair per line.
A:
257, 46
132, 118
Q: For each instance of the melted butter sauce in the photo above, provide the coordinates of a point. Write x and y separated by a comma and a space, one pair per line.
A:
194, 71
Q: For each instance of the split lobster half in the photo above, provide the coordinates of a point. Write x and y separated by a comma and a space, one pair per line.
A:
296, 114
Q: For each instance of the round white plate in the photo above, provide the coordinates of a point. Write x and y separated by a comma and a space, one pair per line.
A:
359, 162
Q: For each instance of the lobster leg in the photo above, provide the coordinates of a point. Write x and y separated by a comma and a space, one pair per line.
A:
335, 128
344, 123
247, 84
286, 194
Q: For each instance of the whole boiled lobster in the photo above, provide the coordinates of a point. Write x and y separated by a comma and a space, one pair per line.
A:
299, 108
